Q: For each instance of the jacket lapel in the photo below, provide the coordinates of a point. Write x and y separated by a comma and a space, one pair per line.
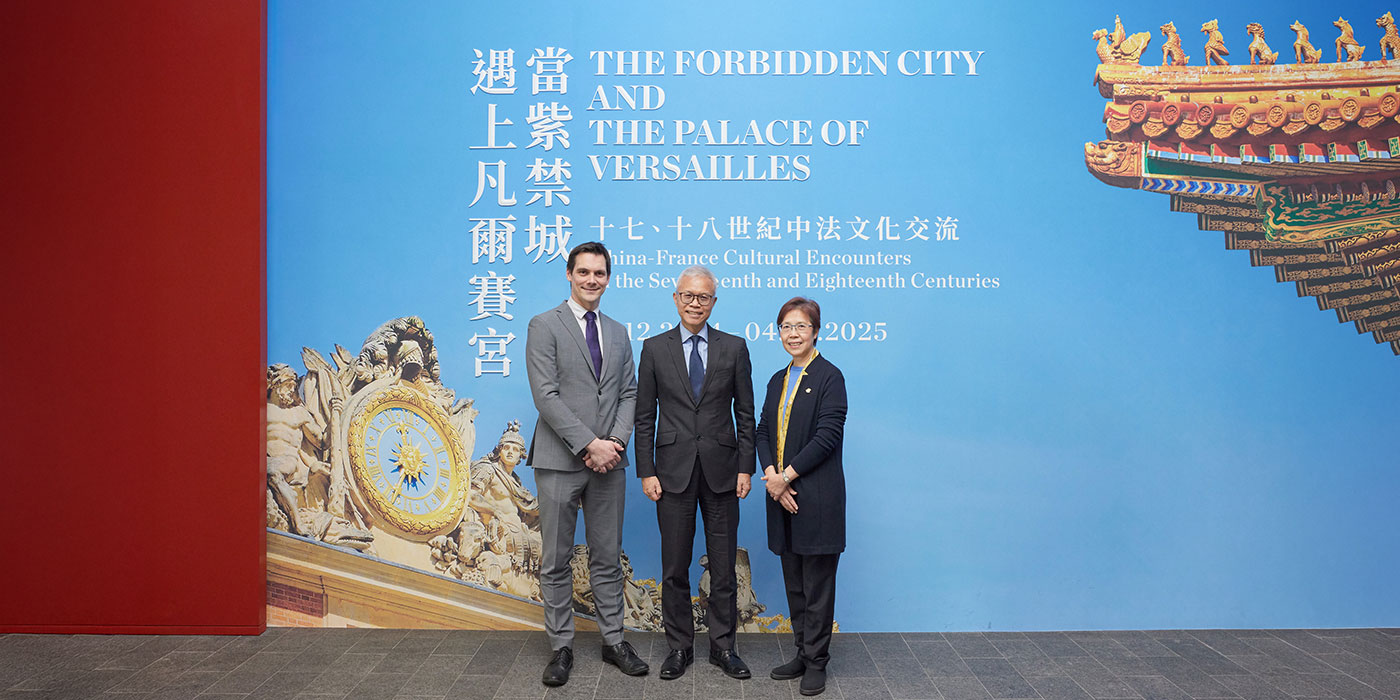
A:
613, 345
566, 317
678, 354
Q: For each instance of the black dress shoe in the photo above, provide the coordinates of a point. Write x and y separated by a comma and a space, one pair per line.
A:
813, 681
676, 661
625, 658
730, 663
556, 673
788, 671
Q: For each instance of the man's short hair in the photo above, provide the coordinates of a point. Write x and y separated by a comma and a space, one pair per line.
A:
809, 308
595, 248
698, 271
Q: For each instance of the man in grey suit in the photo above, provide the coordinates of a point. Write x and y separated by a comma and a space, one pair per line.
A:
695, 447
581, 377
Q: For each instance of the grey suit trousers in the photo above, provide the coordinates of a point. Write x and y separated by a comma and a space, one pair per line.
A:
562, 494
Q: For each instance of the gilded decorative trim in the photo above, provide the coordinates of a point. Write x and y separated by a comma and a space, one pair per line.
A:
1306, 222
433, 523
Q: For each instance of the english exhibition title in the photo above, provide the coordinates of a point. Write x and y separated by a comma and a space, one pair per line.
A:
701, 133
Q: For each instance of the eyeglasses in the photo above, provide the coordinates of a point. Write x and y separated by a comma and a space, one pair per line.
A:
701, 299
799, 327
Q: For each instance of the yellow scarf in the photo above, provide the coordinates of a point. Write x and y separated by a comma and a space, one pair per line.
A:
785, 406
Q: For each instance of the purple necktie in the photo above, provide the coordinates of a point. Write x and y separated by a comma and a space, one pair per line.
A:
594, 349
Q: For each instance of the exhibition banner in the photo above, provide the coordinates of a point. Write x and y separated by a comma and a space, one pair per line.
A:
1071, 406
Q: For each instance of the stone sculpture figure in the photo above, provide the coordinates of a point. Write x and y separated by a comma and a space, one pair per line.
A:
750, 609
641, 599
293, 437
1258, 50
1346, 43
380, 347
1390, 41
400, 349
1172, 55
1118, 47
299, 479
501, 535
311, 491
1215, 44
1302, 48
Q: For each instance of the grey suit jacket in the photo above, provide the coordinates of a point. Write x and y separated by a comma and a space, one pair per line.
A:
575, 405
673, 428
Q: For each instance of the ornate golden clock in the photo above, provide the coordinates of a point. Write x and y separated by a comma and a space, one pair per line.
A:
409, 461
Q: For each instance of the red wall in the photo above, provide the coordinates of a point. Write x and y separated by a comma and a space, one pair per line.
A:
131, 490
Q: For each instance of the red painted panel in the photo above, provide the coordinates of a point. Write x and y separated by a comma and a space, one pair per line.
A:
131, 491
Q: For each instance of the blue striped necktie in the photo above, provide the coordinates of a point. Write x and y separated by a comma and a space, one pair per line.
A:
697, 368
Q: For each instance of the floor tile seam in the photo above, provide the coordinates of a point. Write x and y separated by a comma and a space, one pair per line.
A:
1069, 678
330, 662
140, 668
1362, 682
902, 641
977, 678
158, 688
461, 671
1178, 686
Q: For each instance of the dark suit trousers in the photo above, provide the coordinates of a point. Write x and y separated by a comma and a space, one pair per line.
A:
810, 580
675, 513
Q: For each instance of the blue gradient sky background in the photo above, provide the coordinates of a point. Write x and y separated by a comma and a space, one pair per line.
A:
1136, 430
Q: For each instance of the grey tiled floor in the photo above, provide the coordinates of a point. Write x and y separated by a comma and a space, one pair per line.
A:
318, 664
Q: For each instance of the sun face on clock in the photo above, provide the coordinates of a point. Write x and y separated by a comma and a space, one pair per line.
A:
409, 462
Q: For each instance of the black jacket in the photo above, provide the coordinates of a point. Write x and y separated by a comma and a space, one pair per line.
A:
816, 426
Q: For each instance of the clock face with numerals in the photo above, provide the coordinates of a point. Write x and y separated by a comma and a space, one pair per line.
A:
409, 462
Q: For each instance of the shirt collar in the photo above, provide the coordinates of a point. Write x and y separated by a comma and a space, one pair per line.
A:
685, 333
578, 309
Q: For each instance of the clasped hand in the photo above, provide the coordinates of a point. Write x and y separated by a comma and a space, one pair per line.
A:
779, 490
602, 455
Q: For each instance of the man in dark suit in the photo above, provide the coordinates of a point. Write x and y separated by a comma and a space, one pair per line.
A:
695, 447
580, 367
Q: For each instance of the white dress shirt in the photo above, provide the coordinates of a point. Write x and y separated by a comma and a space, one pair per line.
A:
579, 311
704, 345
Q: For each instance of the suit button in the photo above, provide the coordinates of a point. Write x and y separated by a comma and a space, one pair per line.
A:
600, 392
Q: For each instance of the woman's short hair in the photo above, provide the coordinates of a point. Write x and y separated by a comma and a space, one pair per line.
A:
809, 308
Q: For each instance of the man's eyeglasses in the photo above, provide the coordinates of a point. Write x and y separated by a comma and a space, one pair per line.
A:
701, 299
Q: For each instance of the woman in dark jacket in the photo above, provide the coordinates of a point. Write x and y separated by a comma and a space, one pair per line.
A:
799, 446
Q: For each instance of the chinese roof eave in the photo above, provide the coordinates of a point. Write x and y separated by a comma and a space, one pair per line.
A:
1120, 79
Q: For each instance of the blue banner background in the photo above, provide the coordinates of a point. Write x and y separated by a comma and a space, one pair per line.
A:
1136, 429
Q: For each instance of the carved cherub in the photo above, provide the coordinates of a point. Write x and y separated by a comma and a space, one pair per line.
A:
1302, 48
1391, 40
1215, 44
1346, 43
1172, 55
1258, 50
